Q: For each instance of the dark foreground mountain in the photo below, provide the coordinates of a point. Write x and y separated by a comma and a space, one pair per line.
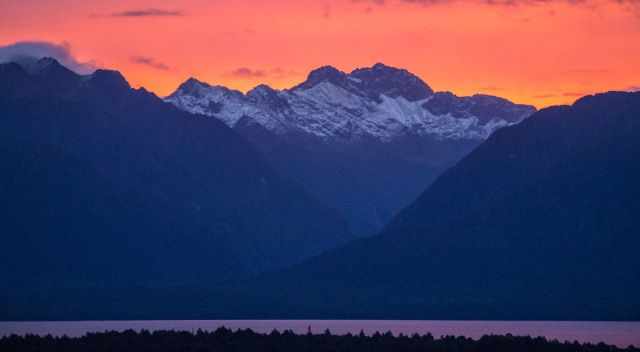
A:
107, 186
223, 340
541, 221
366, 142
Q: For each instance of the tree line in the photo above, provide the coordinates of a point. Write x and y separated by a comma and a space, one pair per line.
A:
226, 340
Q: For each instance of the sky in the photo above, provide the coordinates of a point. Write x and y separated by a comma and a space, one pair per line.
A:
540, 52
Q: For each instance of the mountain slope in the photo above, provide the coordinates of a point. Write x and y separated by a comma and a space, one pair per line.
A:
107, 186
349, 138
539, 222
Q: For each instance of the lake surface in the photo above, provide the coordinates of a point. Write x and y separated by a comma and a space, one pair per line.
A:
621, 334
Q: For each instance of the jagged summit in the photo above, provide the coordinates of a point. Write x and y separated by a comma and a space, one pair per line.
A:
48, 68
261, 90
43, 64
392, 82
109, 79
193, 82
322, 74
326, 73
48, 77
371, 82
36, 66
191, 86
263, 95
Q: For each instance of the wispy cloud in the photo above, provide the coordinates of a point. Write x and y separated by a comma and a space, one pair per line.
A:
326, 11
245, 72
633, 88
279, 72
150, 62
28, 51
148, 12
375, 2
254, 73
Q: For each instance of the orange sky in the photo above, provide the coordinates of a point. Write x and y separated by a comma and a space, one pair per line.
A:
541, 52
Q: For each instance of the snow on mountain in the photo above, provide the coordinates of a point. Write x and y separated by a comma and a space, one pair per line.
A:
381, 103
348, 138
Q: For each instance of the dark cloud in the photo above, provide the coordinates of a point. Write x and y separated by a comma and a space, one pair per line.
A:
545, 96
149, 12
376, 2
149, 61
279, 72
29, 51
245, 72
326, 11
631, 5
252, 73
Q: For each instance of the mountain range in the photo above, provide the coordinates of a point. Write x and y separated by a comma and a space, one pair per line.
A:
105, 185
118, 205
539, 222
365, 143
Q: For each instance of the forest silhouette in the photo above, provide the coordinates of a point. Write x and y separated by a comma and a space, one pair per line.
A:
226, 340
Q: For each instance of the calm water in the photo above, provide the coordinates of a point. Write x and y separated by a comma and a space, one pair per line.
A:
621, 334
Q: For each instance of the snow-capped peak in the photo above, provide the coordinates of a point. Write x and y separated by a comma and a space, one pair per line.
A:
379, 102
392, 82
325, 74
193, 83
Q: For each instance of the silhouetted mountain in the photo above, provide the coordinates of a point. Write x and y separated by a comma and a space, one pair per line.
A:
389, 81
538, 222
108, 186
366, 142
